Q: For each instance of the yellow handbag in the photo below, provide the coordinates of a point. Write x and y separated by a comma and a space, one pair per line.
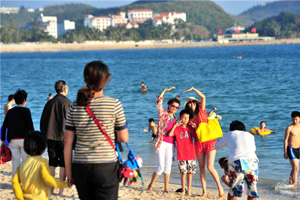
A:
209, 131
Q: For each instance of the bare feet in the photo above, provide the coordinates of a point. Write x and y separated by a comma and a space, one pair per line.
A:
149, 189
203, 196
166, 192
221, 193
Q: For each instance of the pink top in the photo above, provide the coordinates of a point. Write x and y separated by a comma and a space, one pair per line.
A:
165, 124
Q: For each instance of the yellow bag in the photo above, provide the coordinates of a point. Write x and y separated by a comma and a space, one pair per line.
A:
209, 131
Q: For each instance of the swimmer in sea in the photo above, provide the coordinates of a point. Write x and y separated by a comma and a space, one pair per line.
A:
144, 88
152, 127
263, 129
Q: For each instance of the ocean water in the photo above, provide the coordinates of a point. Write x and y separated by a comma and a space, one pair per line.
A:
262, 86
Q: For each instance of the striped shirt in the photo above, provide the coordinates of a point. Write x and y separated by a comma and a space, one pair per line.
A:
91, 144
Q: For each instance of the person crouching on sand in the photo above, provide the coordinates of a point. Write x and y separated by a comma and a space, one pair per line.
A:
32, 179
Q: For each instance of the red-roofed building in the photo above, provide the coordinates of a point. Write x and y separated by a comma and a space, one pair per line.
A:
140, 15
169, 18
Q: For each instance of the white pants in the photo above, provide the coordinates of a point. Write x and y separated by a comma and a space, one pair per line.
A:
164, 158
17, 152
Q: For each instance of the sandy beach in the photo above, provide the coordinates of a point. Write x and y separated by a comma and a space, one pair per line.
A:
135, 191
106, 45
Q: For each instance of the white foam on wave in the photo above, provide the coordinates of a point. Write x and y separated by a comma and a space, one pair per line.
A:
288, 190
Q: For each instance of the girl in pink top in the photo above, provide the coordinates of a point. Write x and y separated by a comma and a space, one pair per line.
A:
205, 149
165, 143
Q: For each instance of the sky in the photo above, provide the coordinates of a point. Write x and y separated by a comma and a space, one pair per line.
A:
233, 7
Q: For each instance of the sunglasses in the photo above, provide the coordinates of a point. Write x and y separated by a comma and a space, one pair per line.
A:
174, 106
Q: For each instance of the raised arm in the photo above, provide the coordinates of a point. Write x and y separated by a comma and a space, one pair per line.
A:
166, 89
202, 96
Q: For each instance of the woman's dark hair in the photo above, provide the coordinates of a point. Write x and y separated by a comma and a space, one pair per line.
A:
262, 122
151, 120
171, 101
20, 96
224, 163
35, 143
96, 74
192, 113
237, 125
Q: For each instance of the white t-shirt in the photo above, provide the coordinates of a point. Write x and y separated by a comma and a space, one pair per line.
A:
241, 145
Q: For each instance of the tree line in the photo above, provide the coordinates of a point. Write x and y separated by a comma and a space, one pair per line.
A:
146, 31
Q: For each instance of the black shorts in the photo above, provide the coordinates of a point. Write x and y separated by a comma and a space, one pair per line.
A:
293, 153
96, 181
153, 135
56, 153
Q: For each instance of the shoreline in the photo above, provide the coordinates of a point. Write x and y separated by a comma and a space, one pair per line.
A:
113, 45
135, 191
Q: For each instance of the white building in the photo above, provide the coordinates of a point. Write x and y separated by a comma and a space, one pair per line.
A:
140, 15
5, 10
169, 18
119, 19
66, 26
49, 24
30, 10
100, 23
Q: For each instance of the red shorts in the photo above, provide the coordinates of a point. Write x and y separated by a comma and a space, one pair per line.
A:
205, 147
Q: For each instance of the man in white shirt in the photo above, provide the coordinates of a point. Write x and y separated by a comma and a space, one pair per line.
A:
243, 162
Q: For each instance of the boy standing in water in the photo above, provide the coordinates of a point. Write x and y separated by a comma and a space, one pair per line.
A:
153, 127
186, 154
291, 146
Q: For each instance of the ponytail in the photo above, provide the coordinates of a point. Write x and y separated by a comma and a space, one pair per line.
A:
84, 96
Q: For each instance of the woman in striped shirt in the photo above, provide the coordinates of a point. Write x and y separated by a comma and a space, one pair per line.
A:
94, 170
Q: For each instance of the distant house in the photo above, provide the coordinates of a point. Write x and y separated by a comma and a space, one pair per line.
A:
169, 18
235, 34
100, 23
140, 15
119, 19
49, 24
66, 26
5, 10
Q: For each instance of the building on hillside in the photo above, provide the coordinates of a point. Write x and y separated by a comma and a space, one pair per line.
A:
5, 10
100, 23
66, 26
119, 19
48, 24
169, 18
233, 34
139, 15
30, 10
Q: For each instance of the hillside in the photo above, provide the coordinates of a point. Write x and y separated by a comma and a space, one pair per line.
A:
285, 25
271, 9
205, 13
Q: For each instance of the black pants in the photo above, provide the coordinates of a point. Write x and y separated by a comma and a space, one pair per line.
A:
96, 181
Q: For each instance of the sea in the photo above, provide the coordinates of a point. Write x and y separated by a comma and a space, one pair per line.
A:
246, 83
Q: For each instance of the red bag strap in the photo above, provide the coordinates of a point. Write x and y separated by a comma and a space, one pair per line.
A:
88, 109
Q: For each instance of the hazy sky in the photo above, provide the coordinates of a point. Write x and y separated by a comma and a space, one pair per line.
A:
233, 7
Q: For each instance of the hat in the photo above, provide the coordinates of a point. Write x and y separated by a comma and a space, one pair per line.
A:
190, 99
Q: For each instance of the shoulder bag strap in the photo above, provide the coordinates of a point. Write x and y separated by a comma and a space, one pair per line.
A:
88, 109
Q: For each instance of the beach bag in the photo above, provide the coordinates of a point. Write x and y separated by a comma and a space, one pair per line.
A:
130, 170
132, 167
209, 131
5, 154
